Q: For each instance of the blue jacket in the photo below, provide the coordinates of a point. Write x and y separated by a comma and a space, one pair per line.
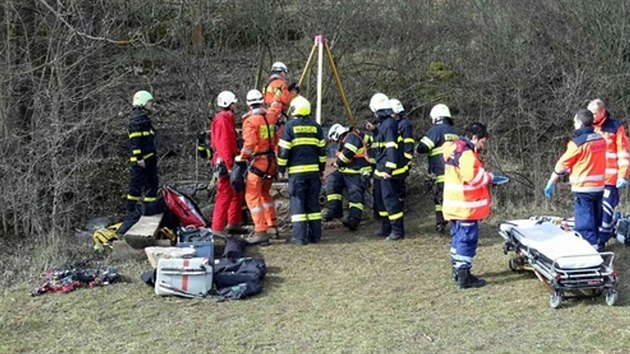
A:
141, 136
389, 157
352, 153
302, 148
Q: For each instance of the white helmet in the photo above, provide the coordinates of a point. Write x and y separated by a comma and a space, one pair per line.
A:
397, 107
336, 131
225, 99
279, 66
440, 111
379, 102
254, 97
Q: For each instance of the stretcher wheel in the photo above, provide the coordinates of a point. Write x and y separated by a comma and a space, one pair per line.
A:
611, 296
556, 299
513, 265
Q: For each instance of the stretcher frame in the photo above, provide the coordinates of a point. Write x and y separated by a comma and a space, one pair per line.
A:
562, 283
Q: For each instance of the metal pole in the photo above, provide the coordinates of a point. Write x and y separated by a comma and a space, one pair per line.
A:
342, 92
309, 63
319, 40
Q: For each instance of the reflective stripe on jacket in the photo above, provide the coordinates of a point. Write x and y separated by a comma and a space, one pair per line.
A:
617, 157
302, 148
352, 154
141, 136
466, 194
432, 145
585, 157
389, 157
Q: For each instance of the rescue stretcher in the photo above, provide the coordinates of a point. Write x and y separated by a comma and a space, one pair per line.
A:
566, 263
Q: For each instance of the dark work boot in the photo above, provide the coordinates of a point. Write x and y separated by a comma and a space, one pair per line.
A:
328, 217
298, 242
394, 237
466, 280
383, 231
440, 228
351, 223
454, 274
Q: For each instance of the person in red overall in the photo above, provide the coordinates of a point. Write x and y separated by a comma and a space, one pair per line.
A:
228, 203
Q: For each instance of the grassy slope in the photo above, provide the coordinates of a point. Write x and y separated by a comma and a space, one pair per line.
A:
352, 293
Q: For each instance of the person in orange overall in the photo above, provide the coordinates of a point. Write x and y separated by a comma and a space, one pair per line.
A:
585, 158
617, 161
259, 145
228, 203
277, 89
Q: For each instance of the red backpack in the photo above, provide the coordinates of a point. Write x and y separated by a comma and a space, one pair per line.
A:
184, 208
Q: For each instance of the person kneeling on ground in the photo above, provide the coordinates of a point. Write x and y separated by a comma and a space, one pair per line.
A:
466, 200
585, 157
353, 168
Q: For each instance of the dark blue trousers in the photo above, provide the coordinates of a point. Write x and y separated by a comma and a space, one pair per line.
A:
588, 215
335, 185
610, 200
389, 204
306, 213
465, 235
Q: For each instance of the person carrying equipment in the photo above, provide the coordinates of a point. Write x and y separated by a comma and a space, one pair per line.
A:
143, 170
585, 158
466, 200
228, 203
259, 151
353, 167
617, 161
389, 180
432, 144
302, 153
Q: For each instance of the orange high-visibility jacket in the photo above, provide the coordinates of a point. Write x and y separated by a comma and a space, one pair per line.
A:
277, 89
259, 141
466, 194
585, 157
617, 157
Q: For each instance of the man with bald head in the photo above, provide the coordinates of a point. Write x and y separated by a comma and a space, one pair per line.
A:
617, 161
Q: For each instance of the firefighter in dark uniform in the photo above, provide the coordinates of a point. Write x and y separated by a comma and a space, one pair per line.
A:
432, 145
143, 160
302, 153
389, 176
353, 167
406, 142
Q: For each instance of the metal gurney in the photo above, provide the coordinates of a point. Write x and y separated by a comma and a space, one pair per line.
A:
560, 258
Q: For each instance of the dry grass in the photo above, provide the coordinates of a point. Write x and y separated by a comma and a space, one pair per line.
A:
352, 293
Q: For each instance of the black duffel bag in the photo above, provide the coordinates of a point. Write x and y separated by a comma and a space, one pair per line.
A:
237, 177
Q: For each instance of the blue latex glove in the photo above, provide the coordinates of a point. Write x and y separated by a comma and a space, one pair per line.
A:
622, 183
549, 189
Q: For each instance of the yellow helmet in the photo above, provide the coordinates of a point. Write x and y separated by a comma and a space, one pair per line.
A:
141, 98
300, 106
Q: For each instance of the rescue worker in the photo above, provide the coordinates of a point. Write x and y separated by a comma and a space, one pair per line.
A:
432, 144
466, 200
302, 154
352, 168
143, 170
277, 87
203, 145
228, 203
405, 131
585, 159
617, 161
389, 182
259, 152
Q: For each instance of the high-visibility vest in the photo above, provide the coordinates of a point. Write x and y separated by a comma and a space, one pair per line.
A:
466, 193
617, 156
585, 157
